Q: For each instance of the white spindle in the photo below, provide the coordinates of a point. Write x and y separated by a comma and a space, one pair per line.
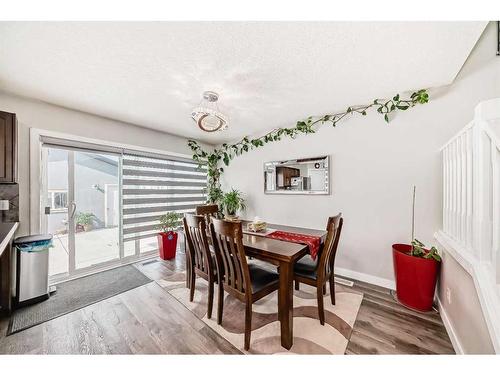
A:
495, 248
449, 162
459, 189
463, 189
456, 180
446, 184
469, 176
487, 213
478, 193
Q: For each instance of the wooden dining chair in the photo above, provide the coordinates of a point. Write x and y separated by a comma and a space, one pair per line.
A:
208, 210
246, 282
201, 260
318, 273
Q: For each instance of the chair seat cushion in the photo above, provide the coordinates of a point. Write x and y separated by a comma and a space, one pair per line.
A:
261, 277
306, 267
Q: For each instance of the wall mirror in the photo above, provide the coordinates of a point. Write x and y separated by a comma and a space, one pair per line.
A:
299, 176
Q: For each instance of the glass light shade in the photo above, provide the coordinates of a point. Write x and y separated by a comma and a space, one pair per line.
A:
207, 116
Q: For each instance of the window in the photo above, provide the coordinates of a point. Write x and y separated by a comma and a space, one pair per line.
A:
58, 200
153, 187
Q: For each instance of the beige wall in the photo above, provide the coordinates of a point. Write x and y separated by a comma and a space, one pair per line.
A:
463, 310
35, 114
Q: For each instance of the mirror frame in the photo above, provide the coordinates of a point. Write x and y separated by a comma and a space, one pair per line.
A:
301, 192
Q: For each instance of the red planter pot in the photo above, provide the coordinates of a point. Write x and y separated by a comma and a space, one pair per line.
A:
415, 278
167, 244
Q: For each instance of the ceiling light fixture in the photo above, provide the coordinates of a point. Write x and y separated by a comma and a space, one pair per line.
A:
207, 114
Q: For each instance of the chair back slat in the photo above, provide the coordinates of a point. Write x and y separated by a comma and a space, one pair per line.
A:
228, 256
227, 238
327, 258
196, 238
237, 261
208, 211
221, 258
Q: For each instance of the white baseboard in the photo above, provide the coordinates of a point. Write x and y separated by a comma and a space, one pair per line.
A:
449, 329
370, 279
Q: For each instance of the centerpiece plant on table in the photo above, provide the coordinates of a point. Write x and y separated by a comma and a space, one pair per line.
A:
232, 202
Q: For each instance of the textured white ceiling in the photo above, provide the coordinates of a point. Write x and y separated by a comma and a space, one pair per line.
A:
268, 74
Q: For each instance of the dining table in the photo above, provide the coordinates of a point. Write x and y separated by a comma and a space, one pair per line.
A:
283, 254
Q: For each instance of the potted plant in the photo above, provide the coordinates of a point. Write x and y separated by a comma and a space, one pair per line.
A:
167, 238
416, 271
84, 220
232, 202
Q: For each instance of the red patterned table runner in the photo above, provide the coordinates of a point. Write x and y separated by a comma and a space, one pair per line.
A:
312, 241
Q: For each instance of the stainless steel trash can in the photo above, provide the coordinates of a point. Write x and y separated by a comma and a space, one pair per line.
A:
32, 281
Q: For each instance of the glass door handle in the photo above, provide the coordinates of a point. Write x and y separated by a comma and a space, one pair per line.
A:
73, 210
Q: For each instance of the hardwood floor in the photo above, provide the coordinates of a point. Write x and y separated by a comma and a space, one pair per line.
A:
385, 327
148, 320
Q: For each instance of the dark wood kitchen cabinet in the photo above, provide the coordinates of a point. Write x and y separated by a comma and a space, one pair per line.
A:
8, 147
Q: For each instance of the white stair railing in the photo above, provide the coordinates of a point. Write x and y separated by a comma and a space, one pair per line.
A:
471, 188
471, 205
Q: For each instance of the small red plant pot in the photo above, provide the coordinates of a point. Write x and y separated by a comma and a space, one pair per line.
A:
415, 278
167, 244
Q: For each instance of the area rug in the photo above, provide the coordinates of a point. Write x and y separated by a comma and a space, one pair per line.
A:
310, 337
76, 294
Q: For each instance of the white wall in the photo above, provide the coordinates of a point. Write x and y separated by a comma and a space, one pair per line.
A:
374, 166
35, 114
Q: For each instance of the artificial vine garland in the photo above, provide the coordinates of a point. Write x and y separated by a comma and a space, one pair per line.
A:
226, 152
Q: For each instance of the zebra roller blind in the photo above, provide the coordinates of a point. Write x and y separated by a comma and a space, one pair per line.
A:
152, 186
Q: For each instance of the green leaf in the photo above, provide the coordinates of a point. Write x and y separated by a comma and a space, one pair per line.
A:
417, 242
227, 152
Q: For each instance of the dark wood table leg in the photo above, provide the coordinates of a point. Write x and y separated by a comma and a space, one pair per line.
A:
285, 304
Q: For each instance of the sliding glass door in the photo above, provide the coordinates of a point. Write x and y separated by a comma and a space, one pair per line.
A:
55, 201
81, 209
96, 208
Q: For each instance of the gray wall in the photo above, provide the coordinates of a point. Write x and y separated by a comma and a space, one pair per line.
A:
373, 168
